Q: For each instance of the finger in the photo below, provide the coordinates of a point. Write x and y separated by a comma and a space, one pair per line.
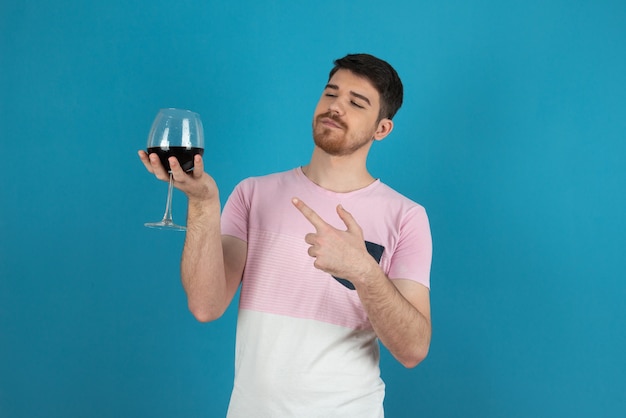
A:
143, 156
348, 219
309, 213
198, 166
176, 169
157, 168
310, 239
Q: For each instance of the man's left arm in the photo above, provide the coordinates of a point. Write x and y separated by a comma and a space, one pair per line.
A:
399, 310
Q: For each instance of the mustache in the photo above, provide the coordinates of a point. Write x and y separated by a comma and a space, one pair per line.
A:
334, 117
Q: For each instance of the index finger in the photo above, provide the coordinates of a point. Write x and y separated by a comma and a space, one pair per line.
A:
143, 156
309, 213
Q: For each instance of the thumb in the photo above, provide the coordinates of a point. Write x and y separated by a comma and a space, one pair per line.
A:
348, 220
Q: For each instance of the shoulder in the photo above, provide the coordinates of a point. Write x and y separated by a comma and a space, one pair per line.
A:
268, 188
268, 179
397, 201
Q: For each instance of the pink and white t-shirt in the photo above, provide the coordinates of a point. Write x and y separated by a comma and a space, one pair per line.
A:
305, 347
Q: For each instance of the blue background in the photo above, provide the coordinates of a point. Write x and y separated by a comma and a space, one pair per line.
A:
512, 136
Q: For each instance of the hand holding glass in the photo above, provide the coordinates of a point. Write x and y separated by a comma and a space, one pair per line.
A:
175, 133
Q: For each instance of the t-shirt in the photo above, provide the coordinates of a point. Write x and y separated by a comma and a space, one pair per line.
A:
304, 345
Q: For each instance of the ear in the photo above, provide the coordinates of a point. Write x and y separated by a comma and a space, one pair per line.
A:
385, 126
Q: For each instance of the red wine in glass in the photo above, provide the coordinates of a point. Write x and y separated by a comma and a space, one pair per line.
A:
175, 133
184, 155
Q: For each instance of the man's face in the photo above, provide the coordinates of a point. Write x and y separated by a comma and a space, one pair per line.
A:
346, 116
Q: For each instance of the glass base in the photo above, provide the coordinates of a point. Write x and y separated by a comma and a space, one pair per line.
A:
165, 224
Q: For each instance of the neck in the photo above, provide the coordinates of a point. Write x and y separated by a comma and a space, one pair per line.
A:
340, 174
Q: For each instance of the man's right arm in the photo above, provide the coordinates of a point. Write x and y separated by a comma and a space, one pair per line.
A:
212, 265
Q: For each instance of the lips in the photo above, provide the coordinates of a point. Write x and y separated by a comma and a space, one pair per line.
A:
331, 121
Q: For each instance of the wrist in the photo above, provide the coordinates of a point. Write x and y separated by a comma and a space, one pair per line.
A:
207, 205
370, 274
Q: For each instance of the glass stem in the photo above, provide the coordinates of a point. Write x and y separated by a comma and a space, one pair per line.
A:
167, 216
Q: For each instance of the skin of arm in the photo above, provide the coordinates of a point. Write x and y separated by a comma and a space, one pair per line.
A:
212, 265
399, 309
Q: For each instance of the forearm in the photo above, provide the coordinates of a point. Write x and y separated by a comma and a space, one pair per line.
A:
202, 264
399, 312
399, 325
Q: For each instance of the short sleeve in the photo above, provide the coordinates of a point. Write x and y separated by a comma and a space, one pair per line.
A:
413, 255
235, 215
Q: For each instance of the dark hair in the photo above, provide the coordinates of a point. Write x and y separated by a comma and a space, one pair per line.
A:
382, 75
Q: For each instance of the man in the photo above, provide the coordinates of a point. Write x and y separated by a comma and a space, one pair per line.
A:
330, 261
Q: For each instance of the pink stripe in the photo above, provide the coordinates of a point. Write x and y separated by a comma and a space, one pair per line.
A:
280, 279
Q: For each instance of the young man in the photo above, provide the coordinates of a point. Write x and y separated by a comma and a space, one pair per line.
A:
330, 261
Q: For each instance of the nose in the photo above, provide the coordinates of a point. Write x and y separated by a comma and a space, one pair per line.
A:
335, 106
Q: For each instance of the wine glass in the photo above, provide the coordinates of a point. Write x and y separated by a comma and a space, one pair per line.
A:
175, 133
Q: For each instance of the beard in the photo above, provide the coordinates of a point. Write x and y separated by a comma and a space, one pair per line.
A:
337, 142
